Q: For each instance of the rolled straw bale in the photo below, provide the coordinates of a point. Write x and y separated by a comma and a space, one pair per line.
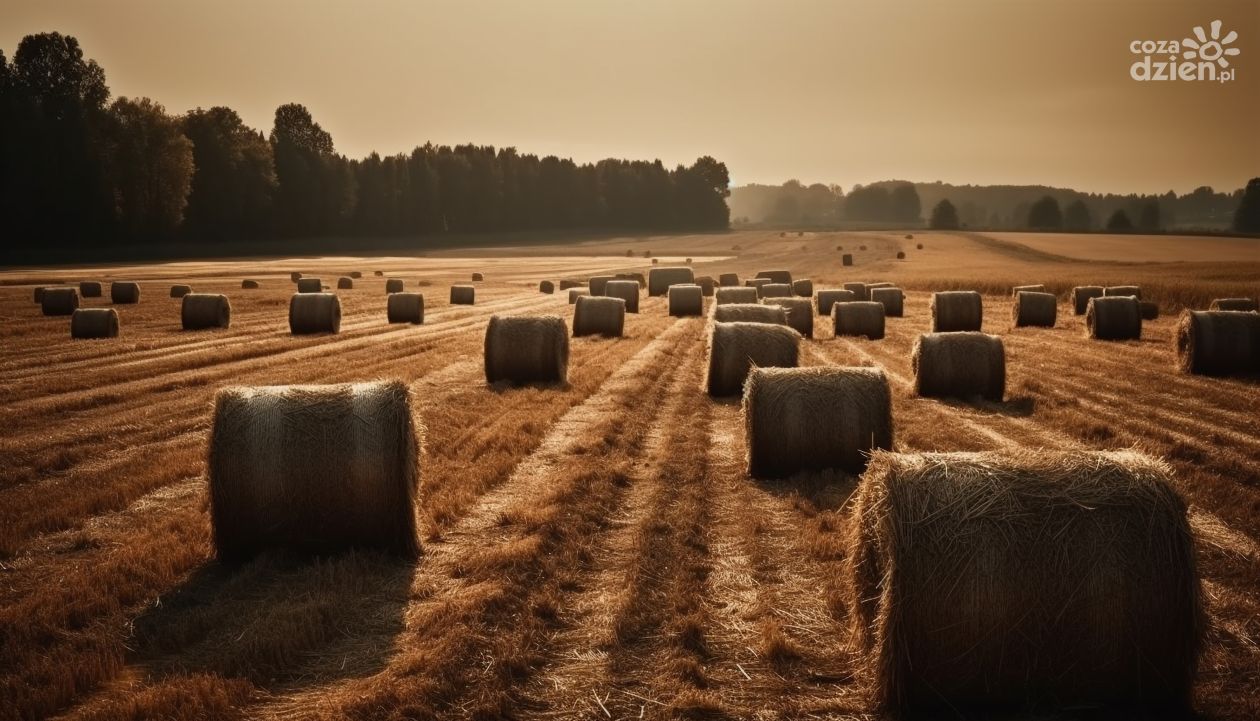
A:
314, 313
737, 348
655, 261
568, 283
800, 313
463, 294
575, 293
1123, 290
39, 294
777, 290
94, 323
394, 285
647, 254
919, 246
477, 277
901, 255
859, 318
707, 285
527, 349
205, 310
1243, 304
310, 285
599, 315
626, 290
1218, 342
859, 290
756, 284
803, 287
314, 469
956, 310
629, 253
846, 259
345, 283
59, 301
828, 297
893, 300
295, 276
546, 286
909, 236
1007, 581
1031, 308
355, 274
1030, 288
1150, 309
749, 313
799, 419
1116, 317
378, 273
1081, 295
839, 247
249, 284
959, 365
636, 277
660, 279
727, 280
776, 276
90, 289
728, 294
123, 292
688, 261
686, 300
880, 284
862, 247
597, 282
405, 308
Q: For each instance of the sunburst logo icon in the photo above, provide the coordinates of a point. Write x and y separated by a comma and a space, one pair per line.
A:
1213, 50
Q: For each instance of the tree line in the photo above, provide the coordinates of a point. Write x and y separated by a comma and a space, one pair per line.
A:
78, 168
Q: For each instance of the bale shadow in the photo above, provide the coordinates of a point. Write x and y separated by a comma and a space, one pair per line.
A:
1016, 407
501, 387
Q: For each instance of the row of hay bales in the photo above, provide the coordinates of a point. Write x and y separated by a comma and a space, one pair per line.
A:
64, 300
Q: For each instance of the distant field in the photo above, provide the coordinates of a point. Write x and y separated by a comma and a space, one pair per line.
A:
592, 551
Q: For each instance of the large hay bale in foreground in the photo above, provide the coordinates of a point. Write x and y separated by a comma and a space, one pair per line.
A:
803, 287
575, 293
314, 469
660, 279
205, 310
1081, 295
249, 284
405, 308
707, 285
394, 285
727, 280
686, 300
310, 285
124, 292
314, 313
1123, 290
599, 315
568, 283
846, 259
546, 286
1047, 580
345, 283
749, 313
527, 349
626, 290
956, 310
94, 323
736, 348
1030, 288
1218, 342
90, 289
800, 313
1031, 308
463, 295
959, 365
860, 291
1149, 309
728, 295
777, 290
59, 301
1242, 304
1117, 317
597, 283
828, 297
776, 276
799, 419
858, 318
893, 300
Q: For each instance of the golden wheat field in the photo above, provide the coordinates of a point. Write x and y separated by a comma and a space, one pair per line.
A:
589, 550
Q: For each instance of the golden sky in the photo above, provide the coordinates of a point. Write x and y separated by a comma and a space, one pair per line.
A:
965, 91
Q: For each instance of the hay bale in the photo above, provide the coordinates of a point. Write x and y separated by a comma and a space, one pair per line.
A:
405, 308
568, 283
355, 274
1081, 295
862, 247
893, 300
956, 310
728, 280
477, 277
839, 247
776, 276
205, 310
660, 279
1031, 308
636, 277
527, 349
314, 313
546, 286
749, 313
707, 285
626, 290
880, 284
1241, 304
756, 284
687, 261
295, 276
860, 291
1218, 342
1030, 288
959, 365
310, 285
1123, 290
463, 294
647, 254
828, 297
249, 284
90, 289
858, 318
599, 315
124, 292
59, 301
629, 253
1117, 317
686, 300
1052, 580
737, 348
909, 236
345, 283
901, 255
575, 293
597, 282
727, 295
919, 246
800, 313
655, 261
803, 288
776, 290
94, 323
801, 419
39, 294
394, 285
378, 273
1150, 309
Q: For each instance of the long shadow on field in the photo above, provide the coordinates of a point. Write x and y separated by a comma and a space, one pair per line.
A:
1017, 407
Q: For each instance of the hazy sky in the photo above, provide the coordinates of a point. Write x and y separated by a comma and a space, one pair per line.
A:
966, 91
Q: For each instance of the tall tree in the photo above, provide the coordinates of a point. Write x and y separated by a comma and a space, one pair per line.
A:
234, 177
1077, 217
1119, 222
904, 204
1045, 214
305, 171
150, 165
944, 216
1148, 216
1247, 215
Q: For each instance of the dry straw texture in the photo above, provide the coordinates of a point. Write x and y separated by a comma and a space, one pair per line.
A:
463, 294
1116, 317
310, 285
800, 313
546, 286
846, 259
626, 290
1030, 288
1218, 342
1149, 309
803, 287
860, 291
314, 469
858, 318
477, 277
249, 284
405, 308
893, 300
801, 419
90, 289
597, 283
1081, 295
1243, 304
749, 313
727, 280
660, 279
59, 301
575, 293
737, 348
776, 276
295, 276
727, 295
686, 300
94, 323
830, 296
568, 283
205, 310
345, 283
1123, 290
124, 292
777, 290
1031, 308
1036, 579
314, 313
956, 310
707, 284
601, 315
527, 349
394, 285
959, 365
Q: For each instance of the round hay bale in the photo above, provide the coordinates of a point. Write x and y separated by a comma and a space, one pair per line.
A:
686, 300
728, 280
859, 318
205, 310
629, 253
314, 313
660, 279
655, 261
749, 313
1031, 308
1117, 317
356, 274
862, 247
909, 236
956, 310
405, 308
1081, 295
599, 315
802, 419
124, 292
90, 289
345, 283
378, 273
800, 313
314, 469
901, 255
39, 294
687, 261
249, 284
1242, 304
828, 297
1020, 580
803, 288
626, 290
394, 285
737, 348
860, 291
776, 290
295, 276
1149, 308
1218, 342
1030, 288
463, 294
477, 277
839, 247
647, 254
94, 323
59, 301
776, 276
597, 282
575, 293
880, 284
959, 365
546, 286
707, 285
727, 295
1123, 290
310, 285
568, 283
893, 300
919, 246
756, 284
527, 349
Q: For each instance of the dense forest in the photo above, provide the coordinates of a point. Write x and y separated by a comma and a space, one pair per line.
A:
78, 169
